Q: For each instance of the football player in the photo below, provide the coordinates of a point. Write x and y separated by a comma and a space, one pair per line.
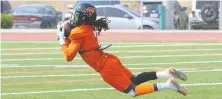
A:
78, 36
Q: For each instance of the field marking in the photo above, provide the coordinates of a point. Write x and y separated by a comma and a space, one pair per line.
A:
133, 51
87, 66
51, 82
50, 71
71, 81
92, 74
43, 53
95, 89
120, 43
123, 57
2, 65
88, 70
131, 46
39, 42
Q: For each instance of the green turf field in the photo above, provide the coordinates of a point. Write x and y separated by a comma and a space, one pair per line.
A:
37, 70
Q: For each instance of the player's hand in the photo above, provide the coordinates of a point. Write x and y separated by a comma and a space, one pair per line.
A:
60, 30
61, 34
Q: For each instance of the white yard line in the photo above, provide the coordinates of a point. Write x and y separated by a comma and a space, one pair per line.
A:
92, 74
133, 51
123, 57
120, 43
129, 46
38, 48
37, 53
182, 55
169, 63
164, 45
33, 59
95, 89
45, 76
86, 66
2, 65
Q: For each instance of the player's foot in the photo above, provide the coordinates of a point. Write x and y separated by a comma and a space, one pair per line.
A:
178, 74
176, 86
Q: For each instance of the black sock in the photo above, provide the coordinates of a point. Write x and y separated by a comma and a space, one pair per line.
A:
143, 77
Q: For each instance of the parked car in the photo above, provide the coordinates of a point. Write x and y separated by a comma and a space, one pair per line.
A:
150, 9
93, 2
124, 18
5, 7
205, 14
36, 16
99, 2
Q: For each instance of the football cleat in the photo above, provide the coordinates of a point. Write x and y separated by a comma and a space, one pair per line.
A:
178, 74
176, 86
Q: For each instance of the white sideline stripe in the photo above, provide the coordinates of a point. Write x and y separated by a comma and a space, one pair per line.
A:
17, 54
142, 51
92, 74
131, 46
202, 84
123, 57
86, 66
44, 76
121, 43
58, 91
39, 42
164, 45
95, 89
9, 65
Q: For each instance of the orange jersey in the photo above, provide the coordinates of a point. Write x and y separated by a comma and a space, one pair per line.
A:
82, 38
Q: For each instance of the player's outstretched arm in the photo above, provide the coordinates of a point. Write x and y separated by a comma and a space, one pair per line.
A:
70, 51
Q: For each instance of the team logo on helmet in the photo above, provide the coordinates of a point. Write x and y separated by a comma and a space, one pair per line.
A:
90, 10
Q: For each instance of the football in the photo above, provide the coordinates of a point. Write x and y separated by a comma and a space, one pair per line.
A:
68, 28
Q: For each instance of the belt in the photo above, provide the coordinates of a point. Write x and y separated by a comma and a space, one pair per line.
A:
99, 48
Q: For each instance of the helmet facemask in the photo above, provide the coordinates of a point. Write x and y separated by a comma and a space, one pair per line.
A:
85, 17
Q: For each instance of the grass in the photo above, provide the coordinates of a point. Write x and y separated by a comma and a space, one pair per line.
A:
64, 74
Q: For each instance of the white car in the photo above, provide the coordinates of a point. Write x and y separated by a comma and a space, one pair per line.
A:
124, 18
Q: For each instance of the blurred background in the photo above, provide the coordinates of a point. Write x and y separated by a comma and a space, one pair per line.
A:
135, 14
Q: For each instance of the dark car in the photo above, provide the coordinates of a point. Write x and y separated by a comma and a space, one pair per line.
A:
35, 16
93, 2
99, 2
5, 7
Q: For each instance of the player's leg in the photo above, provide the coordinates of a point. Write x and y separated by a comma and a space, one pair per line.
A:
146, 88
114, 75
122, 83
140, 78
147, 76
152, 75
171, 72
